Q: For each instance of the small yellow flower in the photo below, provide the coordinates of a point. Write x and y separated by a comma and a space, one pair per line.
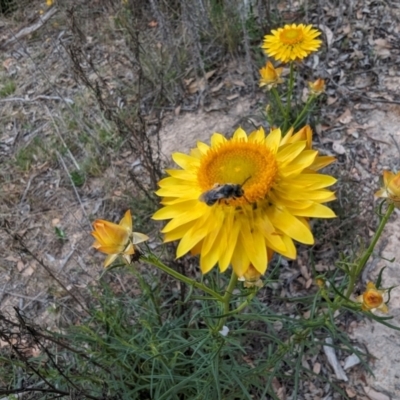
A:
317, 87
270, 76
391, 187
372, 299
292, 42
251, 278
115, 240
49, 3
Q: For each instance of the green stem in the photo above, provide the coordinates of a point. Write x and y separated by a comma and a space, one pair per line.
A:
289, 99
226, 300
304, 110
242, 306
175, 274
278, 101
354, 276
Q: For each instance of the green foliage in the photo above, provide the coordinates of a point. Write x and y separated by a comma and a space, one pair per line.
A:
155, 343
7, 89
30, 154
78, 178
60, 233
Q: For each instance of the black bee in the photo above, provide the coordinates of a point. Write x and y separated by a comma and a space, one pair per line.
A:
223, 191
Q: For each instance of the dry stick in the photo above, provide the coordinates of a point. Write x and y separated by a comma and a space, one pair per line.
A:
40, 97
27, 188
29, 29
36, 298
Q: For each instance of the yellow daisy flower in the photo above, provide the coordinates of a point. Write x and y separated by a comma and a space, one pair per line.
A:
292, 42
115, 240
236, 198
270, 76
391, 187
372, 299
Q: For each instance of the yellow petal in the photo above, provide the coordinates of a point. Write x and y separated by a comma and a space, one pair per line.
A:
217, 139
290, 225
240, 260
185, 161
126, 221
314, 211
257, 135
181, 174
321, 162
272, 141
177, 210
240, 134
289, 152
203, 148
230, 238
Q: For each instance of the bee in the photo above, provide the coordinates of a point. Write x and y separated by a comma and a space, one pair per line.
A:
223, 192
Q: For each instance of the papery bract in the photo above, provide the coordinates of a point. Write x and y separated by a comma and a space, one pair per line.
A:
372, 299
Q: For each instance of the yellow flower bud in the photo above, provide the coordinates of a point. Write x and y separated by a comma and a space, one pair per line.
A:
270, 76
391, 187
251, 278
115, 240
317, 87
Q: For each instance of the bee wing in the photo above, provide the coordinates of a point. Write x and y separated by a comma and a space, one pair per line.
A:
202, 197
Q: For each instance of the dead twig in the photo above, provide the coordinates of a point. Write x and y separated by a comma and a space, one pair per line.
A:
29, 29
40, 97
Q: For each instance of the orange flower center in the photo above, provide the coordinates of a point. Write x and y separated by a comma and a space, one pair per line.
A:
291, 36
372, 298
252, 166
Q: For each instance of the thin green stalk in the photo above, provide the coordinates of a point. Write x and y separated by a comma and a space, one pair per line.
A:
175, 274
354, 277
226, 300
289, 99
242, 306
278, 100
304, 111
